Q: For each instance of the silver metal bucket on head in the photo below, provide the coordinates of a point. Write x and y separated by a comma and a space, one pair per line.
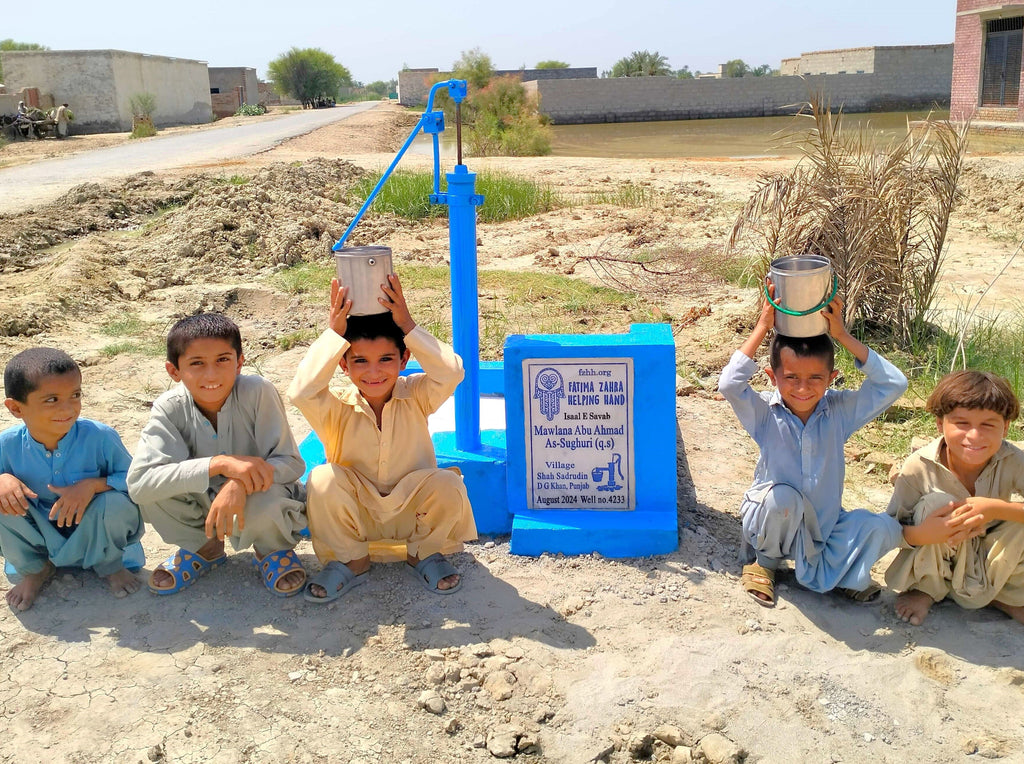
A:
363, 270
803, 284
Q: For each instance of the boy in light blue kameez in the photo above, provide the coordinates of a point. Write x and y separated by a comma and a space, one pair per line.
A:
794, 508
63, 496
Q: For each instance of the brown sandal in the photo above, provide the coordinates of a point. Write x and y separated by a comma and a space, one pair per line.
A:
758, 579
868, 594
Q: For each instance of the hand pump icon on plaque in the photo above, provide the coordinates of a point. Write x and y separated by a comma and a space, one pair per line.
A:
615, 465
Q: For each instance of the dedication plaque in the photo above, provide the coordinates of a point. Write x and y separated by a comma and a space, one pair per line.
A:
579, 433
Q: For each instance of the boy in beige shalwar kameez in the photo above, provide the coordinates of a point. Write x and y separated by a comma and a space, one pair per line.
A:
971, 467
381, 480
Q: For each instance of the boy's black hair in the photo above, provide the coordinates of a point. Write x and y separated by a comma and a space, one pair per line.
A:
804, 347
26, 370
200, 327
373, 326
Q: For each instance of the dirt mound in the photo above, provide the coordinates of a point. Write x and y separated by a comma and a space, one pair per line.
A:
150, 235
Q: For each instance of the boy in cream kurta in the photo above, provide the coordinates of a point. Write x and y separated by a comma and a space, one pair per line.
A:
381, 480
971, 473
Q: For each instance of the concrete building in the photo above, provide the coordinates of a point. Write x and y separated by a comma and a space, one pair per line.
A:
99, 85
906, 60
987, 77
230, 87
414, 84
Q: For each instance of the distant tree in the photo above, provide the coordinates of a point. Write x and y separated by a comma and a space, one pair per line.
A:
736, 68
684, 73
642, 63
764, 70
382, 88
307, 74
474, 66
9, 44
552, 64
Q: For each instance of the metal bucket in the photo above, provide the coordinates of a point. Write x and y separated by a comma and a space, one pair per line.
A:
363, 270
802, 283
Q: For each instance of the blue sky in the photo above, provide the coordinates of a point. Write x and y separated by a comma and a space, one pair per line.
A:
374, 39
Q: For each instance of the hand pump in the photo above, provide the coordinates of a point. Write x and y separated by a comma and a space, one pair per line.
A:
462, 199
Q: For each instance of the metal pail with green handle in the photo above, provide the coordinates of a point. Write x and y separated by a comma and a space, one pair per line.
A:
804, 284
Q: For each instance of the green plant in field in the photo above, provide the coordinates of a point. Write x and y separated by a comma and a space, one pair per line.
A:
293, 339
143, 130
251, 110
312, 278
506, 196
625, 195
151, 348
128, 324
238, 180
880, 214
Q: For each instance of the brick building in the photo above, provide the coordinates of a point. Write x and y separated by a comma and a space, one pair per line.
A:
987, 61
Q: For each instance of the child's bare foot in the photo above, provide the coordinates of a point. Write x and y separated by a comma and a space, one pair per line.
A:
24, 593
448, 582
123, 582
358, 567
162, 578
912, 606
1016, 612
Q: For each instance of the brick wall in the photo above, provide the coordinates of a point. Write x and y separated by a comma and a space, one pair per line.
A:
414, 84
969, 51
640, 99
226, 104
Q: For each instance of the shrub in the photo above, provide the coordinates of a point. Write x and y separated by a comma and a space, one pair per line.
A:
251, 110
504, 121
880, 214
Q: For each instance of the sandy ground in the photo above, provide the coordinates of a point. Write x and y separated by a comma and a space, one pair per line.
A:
551, 659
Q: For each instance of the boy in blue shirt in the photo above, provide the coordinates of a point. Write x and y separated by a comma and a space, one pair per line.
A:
794, 508
63, 496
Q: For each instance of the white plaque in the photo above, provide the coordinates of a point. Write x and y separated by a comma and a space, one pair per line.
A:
579, 433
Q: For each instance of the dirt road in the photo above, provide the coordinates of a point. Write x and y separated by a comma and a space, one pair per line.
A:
39, 182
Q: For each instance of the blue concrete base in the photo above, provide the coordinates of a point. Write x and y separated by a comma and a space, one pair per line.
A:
484, 476
612, 534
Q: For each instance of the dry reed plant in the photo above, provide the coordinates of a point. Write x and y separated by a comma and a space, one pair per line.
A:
879, 213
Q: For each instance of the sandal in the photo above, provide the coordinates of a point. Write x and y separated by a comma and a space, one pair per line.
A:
869, 594
275, 566
431, 570
186, 568
336, 579
758, 579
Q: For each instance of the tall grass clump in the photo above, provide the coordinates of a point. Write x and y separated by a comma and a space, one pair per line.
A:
879, 213
506, 196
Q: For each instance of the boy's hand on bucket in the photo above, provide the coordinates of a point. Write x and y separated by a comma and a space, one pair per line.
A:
766, 320
340, 306
394, 300
833, 313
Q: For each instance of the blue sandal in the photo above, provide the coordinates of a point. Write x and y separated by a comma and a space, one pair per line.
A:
430, 571
186, 568
277, 565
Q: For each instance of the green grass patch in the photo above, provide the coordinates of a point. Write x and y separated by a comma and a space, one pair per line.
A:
510, 302
506, 196
123, 326
143, 130
152, 348
296, 338
625, 195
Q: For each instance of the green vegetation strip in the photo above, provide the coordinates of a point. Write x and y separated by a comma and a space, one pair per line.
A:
511, 302
506, 196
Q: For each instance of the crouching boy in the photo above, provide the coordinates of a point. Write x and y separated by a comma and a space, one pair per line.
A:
381, 480
794, 508
217, 460
63, 497
968, 475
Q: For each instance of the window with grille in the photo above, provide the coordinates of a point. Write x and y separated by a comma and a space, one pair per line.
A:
1000, 79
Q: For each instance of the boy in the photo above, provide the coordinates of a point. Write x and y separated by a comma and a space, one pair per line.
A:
381, 480
63, 498
794, 508
971, 469
217, 459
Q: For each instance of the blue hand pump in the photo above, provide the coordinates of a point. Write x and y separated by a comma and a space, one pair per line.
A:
462, 199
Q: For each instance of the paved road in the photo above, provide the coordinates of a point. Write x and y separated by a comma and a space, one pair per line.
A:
40, 182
